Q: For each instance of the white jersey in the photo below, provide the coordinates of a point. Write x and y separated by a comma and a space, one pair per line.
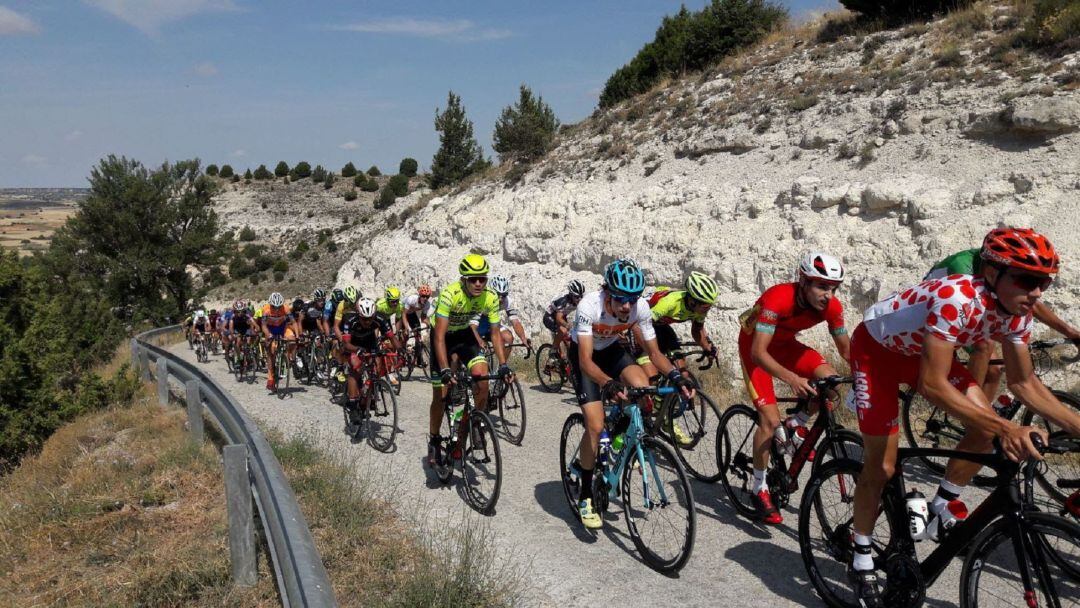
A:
593, 320
412, 304
507, 312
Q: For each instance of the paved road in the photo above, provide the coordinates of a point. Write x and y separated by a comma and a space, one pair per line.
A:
734, 561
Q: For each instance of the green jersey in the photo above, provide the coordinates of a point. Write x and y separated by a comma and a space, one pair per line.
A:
963, 262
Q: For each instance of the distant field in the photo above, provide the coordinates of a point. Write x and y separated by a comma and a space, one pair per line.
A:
27, 225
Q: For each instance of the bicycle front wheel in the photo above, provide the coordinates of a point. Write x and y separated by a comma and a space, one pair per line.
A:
694, 435
1058, 466
549, 369
512, 413
658, 505
735, 456
569, 465
481, 468
1043, 575
382, 418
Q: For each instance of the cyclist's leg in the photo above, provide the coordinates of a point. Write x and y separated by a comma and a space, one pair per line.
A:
959, 472
352, 385
438, 391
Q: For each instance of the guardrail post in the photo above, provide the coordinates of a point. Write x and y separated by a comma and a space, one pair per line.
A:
144, 365
241, 524
163, 381
194, 410
135, 354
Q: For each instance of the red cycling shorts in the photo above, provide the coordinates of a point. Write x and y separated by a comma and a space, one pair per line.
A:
879, 372
792, 354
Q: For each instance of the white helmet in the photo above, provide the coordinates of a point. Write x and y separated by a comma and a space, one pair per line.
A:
818, 265
276, 300
500, 284
365, 307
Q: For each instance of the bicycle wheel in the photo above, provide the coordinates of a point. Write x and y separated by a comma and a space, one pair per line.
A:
569, 466
549, 368
993, 576
423, 359
383, 417
481, 464
658, 506
699, 424
1057, 466
735, 456
843, 444
512, 413
927, 426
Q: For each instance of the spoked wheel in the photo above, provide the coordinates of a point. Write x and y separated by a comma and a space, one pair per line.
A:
1056, 466
927, 426
549, 369
843, 444
993, 576
569, 465
281, 372
735, 456
693, 433
512, 412
382, 417
481, 464
658, 505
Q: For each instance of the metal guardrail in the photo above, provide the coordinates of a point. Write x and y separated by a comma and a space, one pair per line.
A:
301, 577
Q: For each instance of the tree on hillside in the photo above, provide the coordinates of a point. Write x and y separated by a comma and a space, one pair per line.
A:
282, 169
248, 175
524, 131
900, 10
300, 171
318, 174
137, 234
211, 170
408, 167
399, 185
373, 171
261, 173
349, 170
458, 155
226, 171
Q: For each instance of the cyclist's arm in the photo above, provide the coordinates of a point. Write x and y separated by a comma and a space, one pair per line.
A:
585, 362
441, 324
843, 346
497, 341
519, 329
476, 334
1026, 386
700, 335
560, 319
759, 354
652, 349
1043, 313
979, 361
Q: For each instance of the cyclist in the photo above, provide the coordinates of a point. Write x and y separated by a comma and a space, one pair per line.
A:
910, 338
603, 368
365, 333
223, 327
277, 321
390, 309
200, 324
768, 349
418, 309
670, 306
314, 312
241, 325
214, 319
451, 335
507, 312
555, 317
989, 376
342, 310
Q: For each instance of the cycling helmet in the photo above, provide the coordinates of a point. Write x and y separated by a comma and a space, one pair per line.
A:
1020, 248
424, 290
624, 277
473, 265
337, 295
500, 284
351, 294
213, 311
238, 305
575, 288
393, 294
818, 265
365, 308
318, 294
276, 300
298, 303
701, 287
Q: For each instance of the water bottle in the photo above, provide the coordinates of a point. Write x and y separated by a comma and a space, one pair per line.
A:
605, 447
618, 443
918, 513
780, 436
795, 432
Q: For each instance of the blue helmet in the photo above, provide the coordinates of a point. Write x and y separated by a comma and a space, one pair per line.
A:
624, 277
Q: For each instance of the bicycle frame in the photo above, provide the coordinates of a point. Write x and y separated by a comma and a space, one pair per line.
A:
634, 432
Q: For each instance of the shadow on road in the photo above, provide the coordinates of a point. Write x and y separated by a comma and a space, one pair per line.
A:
780, 570
549, 495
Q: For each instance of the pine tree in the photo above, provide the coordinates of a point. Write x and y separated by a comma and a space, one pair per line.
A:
524, 131
459, 155
282, 169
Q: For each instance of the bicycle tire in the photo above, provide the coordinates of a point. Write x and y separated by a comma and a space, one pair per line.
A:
549, 369
927, 426
569, 442
481, 460
1044, 567
699, 457
655, 457
1058, 466
385, 405
844, 443
512, 413
735, 458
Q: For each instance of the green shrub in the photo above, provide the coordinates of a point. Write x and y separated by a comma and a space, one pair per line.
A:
319, 174
1053, 23
399, 185
386, 197
349, 170
226, 171
373, 171
262, 173
281, 266
802, 102
370, 186
279, 276
300, 171
408, 167
358, 180
350, 195
898, 11
264, 263
948, 56
524, 131
235, 178
282, 169
329, 181
248, 175
247, 234
211, 170
252, 251
331, 246
238, 268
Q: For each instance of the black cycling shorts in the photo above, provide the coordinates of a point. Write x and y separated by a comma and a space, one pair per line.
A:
549, 322
666, 338
612, 360
461, 343
414, 321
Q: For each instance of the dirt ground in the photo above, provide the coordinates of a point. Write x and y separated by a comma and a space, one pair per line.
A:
29, 230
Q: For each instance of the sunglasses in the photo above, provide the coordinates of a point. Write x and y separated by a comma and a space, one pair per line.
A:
480, 280
621, 299
1031, 282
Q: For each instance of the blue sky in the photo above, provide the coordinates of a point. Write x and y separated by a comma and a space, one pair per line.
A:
245, 82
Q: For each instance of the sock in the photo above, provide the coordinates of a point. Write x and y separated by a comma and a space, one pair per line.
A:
802, 417
946, 492
759, 481
863, 558
586, 484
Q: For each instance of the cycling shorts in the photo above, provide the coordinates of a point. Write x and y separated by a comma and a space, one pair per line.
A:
791, 354
461, 343
413, 319
611, 360
879, 372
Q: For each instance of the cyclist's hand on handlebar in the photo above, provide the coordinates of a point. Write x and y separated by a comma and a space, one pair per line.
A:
505, 373
614, 391
802, 387
686, 385
447, 376
1017, 444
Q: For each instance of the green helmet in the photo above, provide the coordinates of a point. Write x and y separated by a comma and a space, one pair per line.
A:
473, 265
702, 288
351, 294
393, 294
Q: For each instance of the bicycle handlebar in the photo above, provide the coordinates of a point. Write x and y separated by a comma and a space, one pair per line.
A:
1048, 344
702, 355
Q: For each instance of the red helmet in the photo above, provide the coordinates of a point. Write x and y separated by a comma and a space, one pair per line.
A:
424, 290
1021, 248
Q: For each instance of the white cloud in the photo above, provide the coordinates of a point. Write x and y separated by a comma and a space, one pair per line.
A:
349, 145
462, 30
12, 23
73, 136
34, 160
149, 15
206, 69
239, 153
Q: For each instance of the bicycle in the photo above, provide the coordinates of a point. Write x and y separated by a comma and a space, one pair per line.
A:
199, 341
666, 498
472, 430
696, 448
417, 355
509, 398
553, 369
281, 364
377, 400
1014, 555
826, 439
925, 425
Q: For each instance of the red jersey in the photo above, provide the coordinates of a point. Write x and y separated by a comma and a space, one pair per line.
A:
777, 312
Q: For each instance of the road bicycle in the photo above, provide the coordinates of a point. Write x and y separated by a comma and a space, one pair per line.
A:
553, 369
643, 473
417, 354
470, 444
201, 354
281, 364
376, 415
507, 398
697, 422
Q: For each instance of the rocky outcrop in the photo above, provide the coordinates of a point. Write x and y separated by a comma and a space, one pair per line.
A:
1041, 117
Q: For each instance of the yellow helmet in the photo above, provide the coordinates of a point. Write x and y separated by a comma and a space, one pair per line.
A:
473, 265
393, 293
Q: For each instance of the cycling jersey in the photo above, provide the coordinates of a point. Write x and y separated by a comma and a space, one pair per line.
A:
241, 322
330, 311
384, 310
963, 262
311, 315
507, 313
670, 307
593, 320
368, 337
561, 304
276, 320
214, 319
459, 307
412, 304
